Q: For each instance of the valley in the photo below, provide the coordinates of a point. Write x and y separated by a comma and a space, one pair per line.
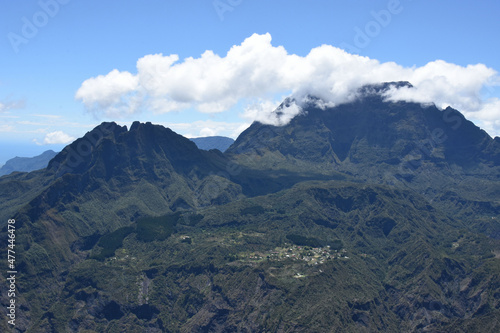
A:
367, 216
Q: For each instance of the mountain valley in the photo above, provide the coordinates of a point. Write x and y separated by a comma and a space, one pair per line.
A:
366, 216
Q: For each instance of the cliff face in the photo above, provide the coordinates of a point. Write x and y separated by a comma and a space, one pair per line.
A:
109, 150
437, 153
373, 131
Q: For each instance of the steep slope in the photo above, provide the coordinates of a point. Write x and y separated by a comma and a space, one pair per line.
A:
373, 131
104, 182
115, 166
363, 217
437, 153
317, 257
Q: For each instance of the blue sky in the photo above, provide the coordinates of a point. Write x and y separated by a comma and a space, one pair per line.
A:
53, 51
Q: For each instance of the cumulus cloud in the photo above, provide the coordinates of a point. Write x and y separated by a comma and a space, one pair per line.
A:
256, 71
488, 117
203, 128
115, 93
272, 112
260, 111
57, 137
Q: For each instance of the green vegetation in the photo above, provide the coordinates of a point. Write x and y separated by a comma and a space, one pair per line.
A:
156, 228
185, 264
336, 244
321, 228
304, 241
147, 229
253, 210
109, 243
195, 219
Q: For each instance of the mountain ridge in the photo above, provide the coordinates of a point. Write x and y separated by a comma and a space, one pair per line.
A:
372, 140
435, 126
134, 228
27, 164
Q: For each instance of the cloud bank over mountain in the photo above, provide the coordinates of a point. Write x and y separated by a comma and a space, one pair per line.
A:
255, 72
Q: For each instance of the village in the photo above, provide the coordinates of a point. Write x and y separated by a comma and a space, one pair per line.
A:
311, 255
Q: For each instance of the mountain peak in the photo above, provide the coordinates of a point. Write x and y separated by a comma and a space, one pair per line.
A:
369, 130
367, 90
136, 125
379, 89
74, 157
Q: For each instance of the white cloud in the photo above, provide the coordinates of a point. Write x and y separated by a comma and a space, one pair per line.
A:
269, 112
6, 106
207, 131
4, 128
48, 116
57, 137
202, 128
445, 84
256, 71
260, 110
488, 117
115, 92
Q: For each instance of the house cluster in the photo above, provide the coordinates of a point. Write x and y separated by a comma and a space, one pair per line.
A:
311, 255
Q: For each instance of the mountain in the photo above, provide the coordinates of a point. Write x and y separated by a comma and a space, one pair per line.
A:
117, 174
372, 131
27, 164
333, 222
361, 258
213, 142
437, 153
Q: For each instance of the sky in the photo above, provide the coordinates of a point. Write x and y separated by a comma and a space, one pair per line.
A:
212, 67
